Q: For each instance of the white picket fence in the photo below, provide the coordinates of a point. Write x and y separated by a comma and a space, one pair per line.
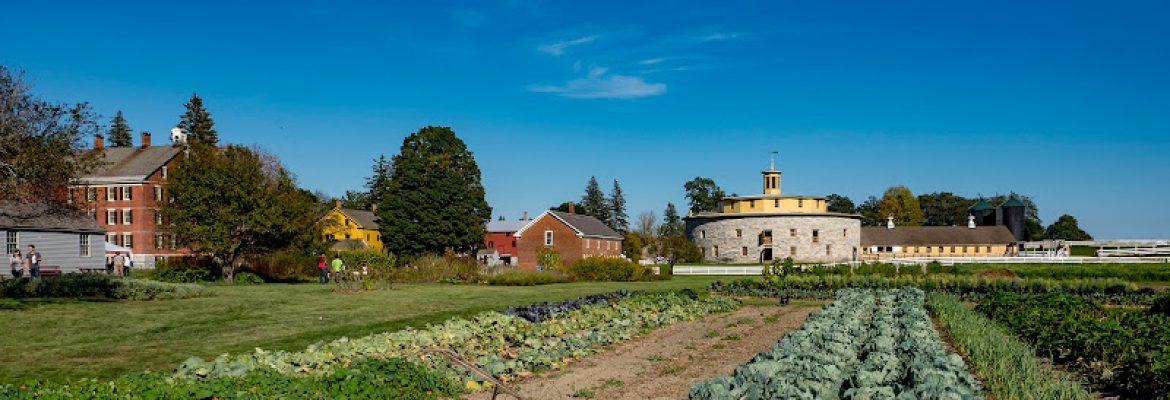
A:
718, 270
759, 269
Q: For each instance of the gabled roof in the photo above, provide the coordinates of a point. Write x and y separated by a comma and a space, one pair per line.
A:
584, 225
506, 226
1012, 202
367, 219
46, 217
124, 164
935, 235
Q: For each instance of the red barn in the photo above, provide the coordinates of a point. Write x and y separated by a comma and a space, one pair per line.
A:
499, 244
573, 236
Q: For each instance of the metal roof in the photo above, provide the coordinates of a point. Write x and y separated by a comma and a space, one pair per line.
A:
507, 226
584, 225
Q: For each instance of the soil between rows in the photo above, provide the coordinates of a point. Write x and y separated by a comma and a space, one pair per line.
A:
664, 363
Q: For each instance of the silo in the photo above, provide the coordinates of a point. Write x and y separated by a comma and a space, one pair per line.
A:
983, 212
1013, 217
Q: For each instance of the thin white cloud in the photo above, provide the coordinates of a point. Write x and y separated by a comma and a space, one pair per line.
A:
558, 48
601, 86
652, 61
721, 36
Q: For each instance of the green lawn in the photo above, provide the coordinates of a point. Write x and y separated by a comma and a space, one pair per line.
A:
74, 339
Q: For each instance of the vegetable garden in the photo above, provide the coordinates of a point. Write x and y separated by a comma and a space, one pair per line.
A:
865, 345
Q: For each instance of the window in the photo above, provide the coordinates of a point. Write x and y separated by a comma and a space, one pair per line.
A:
126, 193
11, 241
952, 249
158, 217
83, 243
965, 248
588, 243
702, 234
743, 251
751, 203
845, 232
940, 250
111, 217
816, 236
916, 249
792, 251
158, 193
800, 203
715, 251
128, 240
112, 238
988, 250
159, 241
548, 238
513, 243
164, 172
739, 233
928, 248
490, 243
828, 249
90, 194
109, 193
127, 216
792, 232
776, 203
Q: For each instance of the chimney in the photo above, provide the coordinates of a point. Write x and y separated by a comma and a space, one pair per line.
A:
572, 208
890, 222
98, 142
524, 217
971, 221
145, 139
337, 203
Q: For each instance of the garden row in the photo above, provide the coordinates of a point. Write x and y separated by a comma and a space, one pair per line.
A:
1145, 272
1110, 291
1119, 350
502, 345
864, 345
98, 285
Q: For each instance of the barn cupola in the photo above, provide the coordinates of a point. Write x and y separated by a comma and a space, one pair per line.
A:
772, 178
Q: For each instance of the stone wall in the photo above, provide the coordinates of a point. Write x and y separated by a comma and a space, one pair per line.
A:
838, 238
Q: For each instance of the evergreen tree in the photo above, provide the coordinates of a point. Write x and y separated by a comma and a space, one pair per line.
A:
902, 205
1066, 228
564, 207
703, 194
618, 220
197, 123
672, 225
355, 200
434, 200
379, 183
593, 203
119, 133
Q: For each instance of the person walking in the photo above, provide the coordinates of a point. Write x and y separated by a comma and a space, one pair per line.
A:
338, 265
119, 263
34, 262
16, 262
127, 263
323, 268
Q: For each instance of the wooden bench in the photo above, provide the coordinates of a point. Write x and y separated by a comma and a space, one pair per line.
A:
50, 270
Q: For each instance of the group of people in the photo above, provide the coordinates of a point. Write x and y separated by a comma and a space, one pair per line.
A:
335, 268
120, 264
29, 264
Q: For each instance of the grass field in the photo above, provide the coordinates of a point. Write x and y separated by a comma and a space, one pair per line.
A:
74, 339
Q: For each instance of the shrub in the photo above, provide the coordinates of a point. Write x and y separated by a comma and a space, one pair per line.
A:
517, 277
1161, 304
98, 285
180, 271
247, 278
609, 269
374, 260
433, 268
548, 258
284, 266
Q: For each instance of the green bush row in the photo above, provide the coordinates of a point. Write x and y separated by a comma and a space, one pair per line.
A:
1128, 272
1123, 350
1110, 291
518, 277
98, 285
1007, 365
391, 378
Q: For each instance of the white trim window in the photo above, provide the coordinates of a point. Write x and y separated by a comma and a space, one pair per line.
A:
157, 193
587, 243
112, 238
158, 217
111, 216
11, 241
128, 240
83, 243
548, 238
90, 194
127, 216
164, 172
110, 193
127, 193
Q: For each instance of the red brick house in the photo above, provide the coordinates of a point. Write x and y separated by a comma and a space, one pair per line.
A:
573, 236
124, 195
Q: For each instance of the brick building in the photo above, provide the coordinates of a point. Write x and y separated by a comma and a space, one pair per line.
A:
499, 242
125, 193
573, 236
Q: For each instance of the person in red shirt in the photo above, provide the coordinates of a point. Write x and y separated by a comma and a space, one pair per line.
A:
322, 268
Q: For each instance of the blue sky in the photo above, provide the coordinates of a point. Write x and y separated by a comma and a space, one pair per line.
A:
1065, 101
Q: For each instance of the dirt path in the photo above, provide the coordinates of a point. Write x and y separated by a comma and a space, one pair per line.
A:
664, 363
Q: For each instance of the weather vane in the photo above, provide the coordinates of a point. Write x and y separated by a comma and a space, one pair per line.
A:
772, 160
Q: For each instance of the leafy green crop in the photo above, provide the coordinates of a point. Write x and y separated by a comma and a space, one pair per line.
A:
864, 345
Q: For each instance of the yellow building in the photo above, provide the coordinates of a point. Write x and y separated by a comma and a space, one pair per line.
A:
878, 242
771, 201
352, 229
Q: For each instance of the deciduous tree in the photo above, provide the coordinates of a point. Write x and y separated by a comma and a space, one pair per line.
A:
1066, 228
703, 194
944, 209
435, 199
41, 143
871, 215
840, 204
899, 203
